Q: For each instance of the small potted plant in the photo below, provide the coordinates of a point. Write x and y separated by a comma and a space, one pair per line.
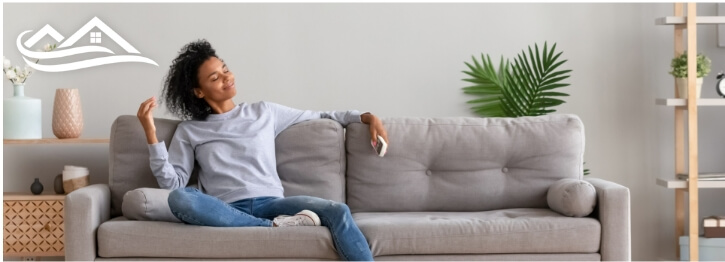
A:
679, 71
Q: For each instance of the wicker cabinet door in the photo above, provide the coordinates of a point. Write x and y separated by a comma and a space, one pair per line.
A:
33, 228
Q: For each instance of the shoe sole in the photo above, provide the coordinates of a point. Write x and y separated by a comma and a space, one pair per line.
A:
312, 215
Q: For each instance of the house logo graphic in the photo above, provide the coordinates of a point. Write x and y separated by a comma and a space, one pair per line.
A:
65, 49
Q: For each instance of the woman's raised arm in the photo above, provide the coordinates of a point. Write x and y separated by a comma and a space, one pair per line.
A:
147, 119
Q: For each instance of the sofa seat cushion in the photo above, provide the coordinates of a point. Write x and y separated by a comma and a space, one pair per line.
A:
121, 237
522, 230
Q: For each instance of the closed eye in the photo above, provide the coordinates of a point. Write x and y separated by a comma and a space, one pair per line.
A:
215, 74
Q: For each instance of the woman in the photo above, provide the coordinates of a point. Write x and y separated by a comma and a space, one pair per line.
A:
234, 147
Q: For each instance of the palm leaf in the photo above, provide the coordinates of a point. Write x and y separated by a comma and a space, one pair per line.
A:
487, 84
525, 87
544, 78
552, 86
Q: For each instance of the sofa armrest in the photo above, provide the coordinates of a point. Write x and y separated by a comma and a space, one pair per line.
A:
85, 210
613, 212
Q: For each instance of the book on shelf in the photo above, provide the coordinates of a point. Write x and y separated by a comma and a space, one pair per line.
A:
704, 177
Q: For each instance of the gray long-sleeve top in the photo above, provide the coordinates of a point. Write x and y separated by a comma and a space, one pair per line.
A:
235, 150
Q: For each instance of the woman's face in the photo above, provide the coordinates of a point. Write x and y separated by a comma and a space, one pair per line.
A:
216, 82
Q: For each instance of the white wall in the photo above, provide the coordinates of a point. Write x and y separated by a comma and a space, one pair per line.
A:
344, 56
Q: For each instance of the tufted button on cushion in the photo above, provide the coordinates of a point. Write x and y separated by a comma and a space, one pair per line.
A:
428, 172
504, 169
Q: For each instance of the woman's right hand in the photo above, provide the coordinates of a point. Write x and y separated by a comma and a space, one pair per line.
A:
147, 119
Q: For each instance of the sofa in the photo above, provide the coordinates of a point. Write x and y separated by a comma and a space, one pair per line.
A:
456, 188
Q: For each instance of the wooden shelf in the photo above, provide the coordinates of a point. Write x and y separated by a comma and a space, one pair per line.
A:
12, 196
683, 102
57, 141
676, 183
681, 20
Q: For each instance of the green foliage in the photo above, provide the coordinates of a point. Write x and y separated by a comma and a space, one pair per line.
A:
679, 66
524, 88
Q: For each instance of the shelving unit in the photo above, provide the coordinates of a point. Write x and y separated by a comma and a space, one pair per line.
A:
688, 107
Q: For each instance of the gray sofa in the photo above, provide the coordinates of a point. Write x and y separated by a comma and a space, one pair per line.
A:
448, 189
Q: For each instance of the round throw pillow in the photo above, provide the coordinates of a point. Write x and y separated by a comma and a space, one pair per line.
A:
572, 197
150, 204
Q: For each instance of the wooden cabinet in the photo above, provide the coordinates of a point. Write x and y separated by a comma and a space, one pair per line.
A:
33, 225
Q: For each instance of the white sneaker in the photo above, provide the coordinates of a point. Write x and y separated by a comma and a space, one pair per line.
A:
303, 218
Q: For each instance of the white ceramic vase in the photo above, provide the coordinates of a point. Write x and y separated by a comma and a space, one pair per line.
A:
67, 113
21, 116
681, 84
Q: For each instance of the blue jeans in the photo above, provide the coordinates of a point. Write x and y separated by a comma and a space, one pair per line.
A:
194, 207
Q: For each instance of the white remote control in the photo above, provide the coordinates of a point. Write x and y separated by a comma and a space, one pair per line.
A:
381, 147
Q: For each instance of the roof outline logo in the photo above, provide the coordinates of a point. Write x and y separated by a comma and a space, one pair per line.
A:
65, 48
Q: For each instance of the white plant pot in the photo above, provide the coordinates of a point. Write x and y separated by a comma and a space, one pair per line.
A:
681, 84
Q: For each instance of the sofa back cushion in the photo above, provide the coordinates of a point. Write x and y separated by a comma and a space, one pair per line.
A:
310, 158
128, 159
463, 163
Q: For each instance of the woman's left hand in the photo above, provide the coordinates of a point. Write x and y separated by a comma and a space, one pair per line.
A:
376, 127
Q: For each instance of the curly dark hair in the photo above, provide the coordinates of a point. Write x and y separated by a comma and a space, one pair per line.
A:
178, 92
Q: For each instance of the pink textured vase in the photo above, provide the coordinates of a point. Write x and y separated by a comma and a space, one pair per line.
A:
67, 114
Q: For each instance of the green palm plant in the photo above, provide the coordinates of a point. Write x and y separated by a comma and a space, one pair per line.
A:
524, 88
